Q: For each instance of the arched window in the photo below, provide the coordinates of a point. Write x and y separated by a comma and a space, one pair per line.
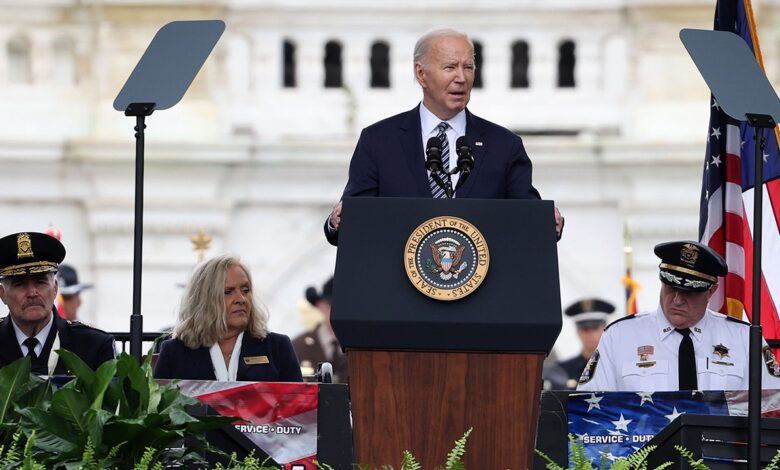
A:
520, 62
380, 65
477, 64
64, 61
288, 64
566, 62
19, 66
333, 65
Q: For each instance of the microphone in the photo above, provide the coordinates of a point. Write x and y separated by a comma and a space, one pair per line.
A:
465, 160
433, 153
434, 164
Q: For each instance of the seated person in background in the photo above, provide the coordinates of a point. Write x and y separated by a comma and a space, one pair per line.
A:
320, 344
70, 290
682, 345
590, 316
28, 286
222, 334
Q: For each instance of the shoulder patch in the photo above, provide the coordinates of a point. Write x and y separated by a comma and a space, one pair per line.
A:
730, 318
771, 363
590, 368
627, 317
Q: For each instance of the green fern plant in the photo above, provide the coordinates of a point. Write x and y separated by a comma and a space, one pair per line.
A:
580, 461
454, 458
9, 453
409, 462
695, 464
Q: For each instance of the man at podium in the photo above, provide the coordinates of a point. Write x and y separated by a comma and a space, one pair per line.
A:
682, 345
393, 156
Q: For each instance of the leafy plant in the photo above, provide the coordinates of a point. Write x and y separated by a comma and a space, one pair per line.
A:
116, 416
635, 461
454, 458
580, 461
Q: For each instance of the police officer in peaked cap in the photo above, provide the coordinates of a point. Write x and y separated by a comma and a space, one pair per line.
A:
681, 345
28, 287
590, 316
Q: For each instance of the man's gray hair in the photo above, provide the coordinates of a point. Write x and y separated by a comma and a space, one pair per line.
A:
423, 45
6, 281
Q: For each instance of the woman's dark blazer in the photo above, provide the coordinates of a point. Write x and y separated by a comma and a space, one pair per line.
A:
271, 359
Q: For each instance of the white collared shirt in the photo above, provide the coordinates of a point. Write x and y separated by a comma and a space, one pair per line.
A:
428, 123
222, 373
41, 337
641, 354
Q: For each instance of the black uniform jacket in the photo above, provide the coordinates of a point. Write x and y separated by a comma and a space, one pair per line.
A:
93, 346
270, 359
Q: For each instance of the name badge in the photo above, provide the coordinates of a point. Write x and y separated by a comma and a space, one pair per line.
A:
252, 360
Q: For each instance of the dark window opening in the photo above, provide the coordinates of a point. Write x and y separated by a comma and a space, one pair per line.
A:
566, 62
333, 65
288, 69
477, 64
520, 62
380, 65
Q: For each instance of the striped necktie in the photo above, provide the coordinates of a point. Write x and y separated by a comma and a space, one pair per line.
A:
436, 191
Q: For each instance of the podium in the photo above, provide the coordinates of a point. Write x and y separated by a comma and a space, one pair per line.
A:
722, 441
428, 360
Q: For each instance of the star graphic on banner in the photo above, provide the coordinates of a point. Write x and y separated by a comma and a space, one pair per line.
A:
581, 436
766, 155
622, 423
716, 161
715, 132
593, 401
648, 396
715, 105
610, 456
674, 415
742, 144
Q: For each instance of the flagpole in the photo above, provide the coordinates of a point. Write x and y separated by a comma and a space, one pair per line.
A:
759, 122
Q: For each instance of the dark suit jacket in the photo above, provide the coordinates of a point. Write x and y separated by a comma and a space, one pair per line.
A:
93, 346
177, 361
389, 161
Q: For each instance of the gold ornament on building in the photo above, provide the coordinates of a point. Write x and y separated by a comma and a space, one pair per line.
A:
201, 242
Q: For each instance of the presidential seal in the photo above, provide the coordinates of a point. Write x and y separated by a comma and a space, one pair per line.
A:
446, 258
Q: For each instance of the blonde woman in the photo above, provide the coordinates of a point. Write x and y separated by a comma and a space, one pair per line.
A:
222, 332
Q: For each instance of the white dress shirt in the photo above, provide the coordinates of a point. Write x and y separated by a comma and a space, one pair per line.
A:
41, 337
640, 353
428, 123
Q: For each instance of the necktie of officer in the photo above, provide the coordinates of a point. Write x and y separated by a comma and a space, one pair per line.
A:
31, 343
686, 361
436, 191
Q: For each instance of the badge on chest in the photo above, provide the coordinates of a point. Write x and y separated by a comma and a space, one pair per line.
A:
644, 353
252, 360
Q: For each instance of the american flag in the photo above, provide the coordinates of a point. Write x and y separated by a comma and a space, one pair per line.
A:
726, 215
617, 424
280, 418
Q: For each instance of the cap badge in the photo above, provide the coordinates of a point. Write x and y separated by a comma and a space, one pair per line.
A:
689, 254
24, 246
720, 350
587, 305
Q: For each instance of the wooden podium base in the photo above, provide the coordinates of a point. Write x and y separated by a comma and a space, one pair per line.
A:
424, 401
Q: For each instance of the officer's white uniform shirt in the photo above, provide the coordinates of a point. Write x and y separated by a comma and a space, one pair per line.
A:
640, 354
